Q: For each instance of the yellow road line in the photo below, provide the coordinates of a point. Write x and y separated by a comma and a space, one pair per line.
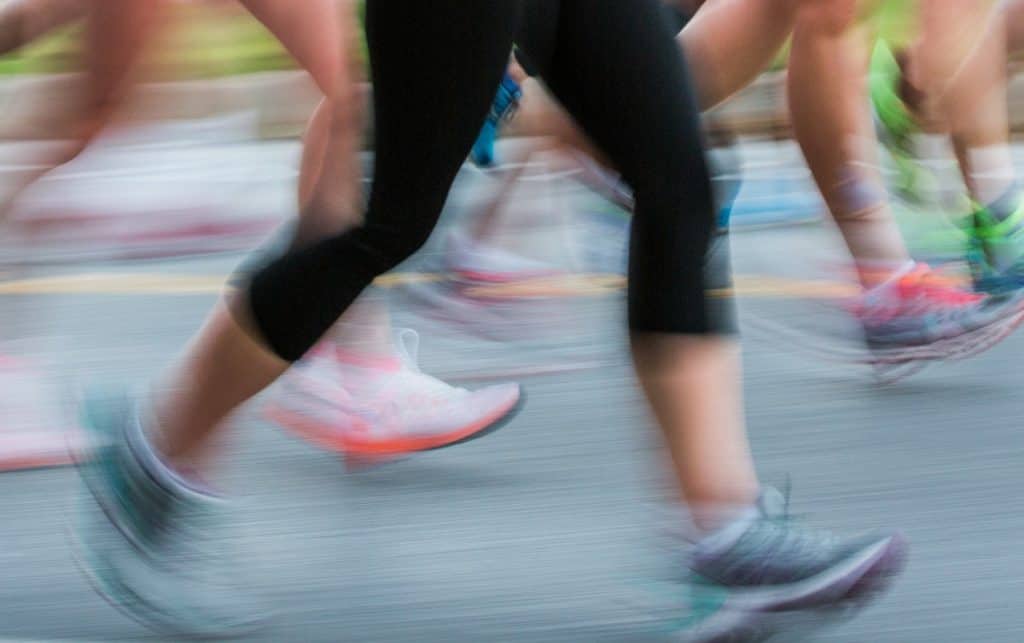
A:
573, 285
115, 284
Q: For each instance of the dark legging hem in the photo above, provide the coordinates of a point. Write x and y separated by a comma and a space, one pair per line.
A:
618, 71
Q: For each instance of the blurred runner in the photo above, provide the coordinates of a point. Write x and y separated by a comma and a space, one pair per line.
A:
909, 313
616, 68
906, 306
951, 82
477, 253
361, 389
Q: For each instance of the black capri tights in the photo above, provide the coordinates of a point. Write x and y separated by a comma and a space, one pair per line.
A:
615, 67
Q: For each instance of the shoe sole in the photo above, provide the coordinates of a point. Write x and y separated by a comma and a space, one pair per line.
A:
1011, 309
806, 607
145, 615
829, 586
313, 432
82, 455
362, 462
961, 347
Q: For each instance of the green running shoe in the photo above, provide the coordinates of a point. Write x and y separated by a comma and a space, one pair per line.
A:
996, 251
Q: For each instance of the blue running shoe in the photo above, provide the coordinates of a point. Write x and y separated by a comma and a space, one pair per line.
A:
502, 110
151, 548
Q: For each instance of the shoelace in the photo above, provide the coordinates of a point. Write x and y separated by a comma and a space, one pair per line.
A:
427, 391
778, 533
408, 344
782, 540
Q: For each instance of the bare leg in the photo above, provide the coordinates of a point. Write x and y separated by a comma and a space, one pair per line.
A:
827, 101
961, 62
729, 42
329, 195
693, 386
321, 37
23, 21
118, 31
224, 357
1013, 12
329, 167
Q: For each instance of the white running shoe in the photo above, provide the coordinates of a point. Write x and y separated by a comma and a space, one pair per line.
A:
382, 407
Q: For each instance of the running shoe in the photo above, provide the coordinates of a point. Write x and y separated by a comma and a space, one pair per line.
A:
922, 309
768, 566
385, 407
897, 126
502, 110
151, 547
996, 251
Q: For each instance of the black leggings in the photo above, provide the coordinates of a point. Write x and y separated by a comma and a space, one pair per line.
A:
615, 67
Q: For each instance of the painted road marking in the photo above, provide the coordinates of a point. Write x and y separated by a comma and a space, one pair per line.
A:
568, 286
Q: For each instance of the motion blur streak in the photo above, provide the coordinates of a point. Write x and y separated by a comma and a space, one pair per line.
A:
878, 277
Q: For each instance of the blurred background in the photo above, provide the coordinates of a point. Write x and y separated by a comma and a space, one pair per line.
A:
549, 529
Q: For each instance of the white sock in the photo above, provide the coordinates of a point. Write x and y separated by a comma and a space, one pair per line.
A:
992, 174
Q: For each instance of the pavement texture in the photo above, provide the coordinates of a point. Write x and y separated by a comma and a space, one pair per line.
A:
548, 529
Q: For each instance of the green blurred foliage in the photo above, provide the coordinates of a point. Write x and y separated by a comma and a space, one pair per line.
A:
201, 42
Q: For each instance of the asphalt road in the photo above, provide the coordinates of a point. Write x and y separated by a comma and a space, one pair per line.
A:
547, 530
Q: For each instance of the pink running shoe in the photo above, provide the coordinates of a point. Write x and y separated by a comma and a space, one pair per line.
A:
381, 407
922, 308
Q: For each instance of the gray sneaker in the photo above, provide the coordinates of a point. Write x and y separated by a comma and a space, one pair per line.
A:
775, 576
149, 549
779, 565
